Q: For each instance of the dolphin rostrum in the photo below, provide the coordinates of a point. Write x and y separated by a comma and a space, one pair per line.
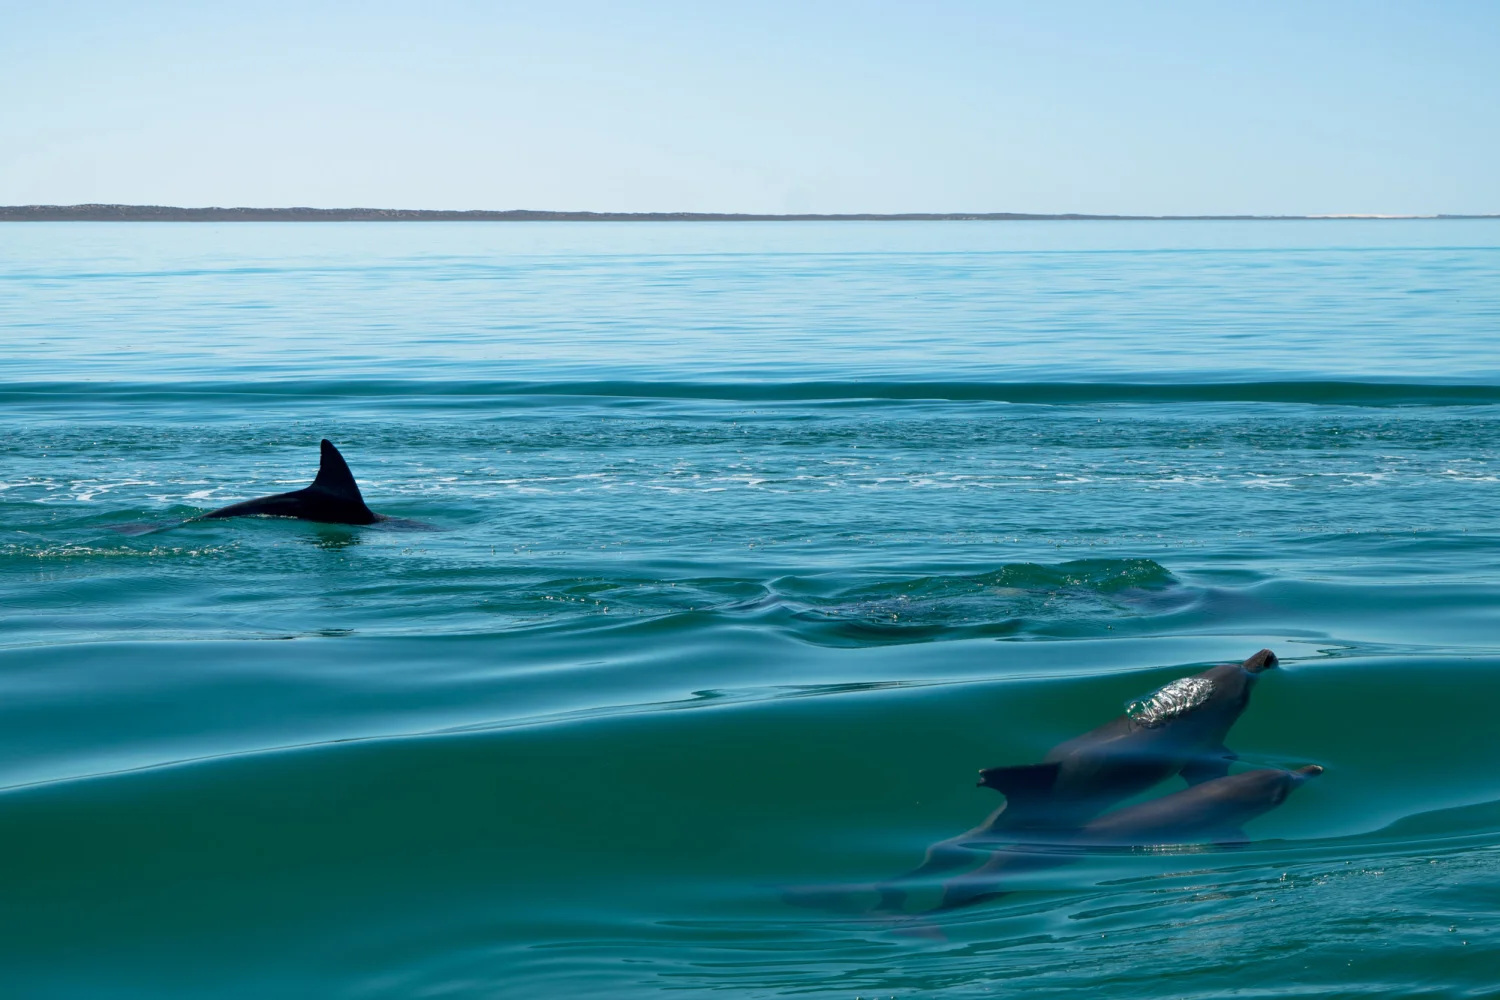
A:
1212, 811
333, 497
1178, 729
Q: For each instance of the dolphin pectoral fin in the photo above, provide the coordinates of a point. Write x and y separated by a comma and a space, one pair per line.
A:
1214, 764
1022, 784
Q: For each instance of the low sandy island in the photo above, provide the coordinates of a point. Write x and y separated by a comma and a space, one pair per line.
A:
166, 213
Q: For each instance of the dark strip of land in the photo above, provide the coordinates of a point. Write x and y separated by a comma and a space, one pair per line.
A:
166, 213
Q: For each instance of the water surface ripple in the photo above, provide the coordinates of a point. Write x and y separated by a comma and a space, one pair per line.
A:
750, 545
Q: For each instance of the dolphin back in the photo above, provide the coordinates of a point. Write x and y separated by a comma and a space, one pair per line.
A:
1211, 811
1027, 788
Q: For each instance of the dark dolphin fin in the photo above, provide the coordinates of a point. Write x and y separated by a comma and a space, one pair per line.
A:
333, 497
334, 476
1214, 764
1022, 784
1263, 660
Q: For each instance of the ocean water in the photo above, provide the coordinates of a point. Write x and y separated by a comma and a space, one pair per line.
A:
745, 547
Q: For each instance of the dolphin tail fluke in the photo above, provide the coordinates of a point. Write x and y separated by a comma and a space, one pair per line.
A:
1022, 784
944, 856
334, 475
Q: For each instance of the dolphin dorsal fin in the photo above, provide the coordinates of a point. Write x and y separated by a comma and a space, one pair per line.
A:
1019, 785
334, 476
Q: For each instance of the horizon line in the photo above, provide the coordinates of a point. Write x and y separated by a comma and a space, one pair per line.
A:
102, 212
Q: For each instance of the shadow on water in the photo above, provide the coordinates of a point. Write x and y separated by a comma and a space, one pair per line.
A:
330, 536
135, 529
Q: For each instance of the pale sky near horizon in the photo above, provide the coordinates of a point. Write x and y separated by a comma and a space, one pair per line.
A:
1151, 108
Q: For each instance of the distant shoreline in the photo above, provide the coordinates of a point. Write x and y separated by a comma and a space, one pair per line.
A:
166, 213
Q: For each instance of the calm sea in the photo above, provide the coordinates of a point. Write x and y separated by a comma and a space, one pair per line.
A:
749, 545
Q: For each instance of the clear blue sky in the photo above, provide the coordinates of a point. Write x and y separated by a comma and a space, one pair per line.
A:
1204, 107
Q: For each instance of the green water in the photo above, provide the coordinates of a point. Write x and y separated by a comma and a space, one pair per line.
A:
740, 564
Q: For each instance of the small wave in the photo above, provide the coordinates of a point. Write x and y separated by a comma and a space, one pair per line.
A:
66, 551
458, 393
1016, 598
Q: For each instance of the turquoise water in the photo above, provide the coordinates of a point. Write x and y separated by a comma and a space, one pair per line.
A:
750, 545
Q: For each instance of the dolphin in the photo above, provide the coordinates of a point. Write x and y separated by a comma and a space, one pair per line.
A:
333, 497
1212, 811
1177, 729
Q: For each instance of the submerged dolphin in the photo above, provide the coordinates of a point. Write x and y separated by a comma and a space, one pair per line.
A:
333, 497
1210, 812
1213, 811
1178, 729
